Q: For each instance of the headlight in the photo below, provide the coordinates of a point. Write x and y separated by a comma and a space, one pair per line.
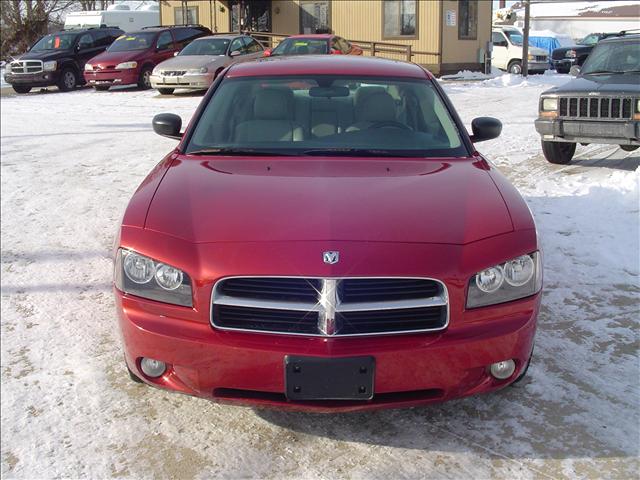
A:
126, 65
531, 57
570, 54
145, 277
50, 66
518, 278
88, 67
550, 104
197, 71
7, 68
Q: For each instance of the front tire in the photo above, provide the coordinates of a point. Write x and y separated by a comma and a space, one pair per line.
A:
21, 88
562, 70
144, 80
515, 67
629, 148
559, 153
166, 91
101, 88
68, 80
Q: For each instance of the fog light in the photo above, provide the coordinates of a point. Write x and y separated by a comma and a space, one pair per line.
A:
503, 370
154, 368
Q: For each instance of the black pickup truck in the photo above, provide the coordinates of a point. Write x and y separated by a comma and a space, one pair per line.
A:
564, 58
58, 59
601, 105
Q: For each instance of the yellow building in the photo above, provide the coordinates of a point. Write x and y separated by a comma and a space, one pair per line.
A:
444, 35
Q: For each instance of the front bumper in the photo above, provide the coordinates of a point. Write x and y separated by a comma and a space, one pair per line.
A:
194, 82
538, 66
623, 132
41, 79
112, 77
565, 63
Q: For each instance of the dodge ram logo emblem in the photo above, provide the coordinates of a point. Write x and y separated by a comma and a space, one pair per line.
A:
331, 257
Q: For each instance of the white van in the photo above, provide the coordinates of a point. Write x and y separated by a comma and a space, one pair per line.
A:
115, 16
506, 53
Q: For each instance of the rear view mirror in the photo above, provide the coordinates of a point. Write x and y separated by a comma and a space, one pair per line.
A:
485, 128
167, 125
575, 71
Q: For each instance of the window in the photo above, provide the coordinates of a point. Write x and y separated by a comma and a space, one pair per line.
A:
85, 41
343, 45
468, 23
399, 18
183, 16
102, 38
252, 45
237, 45
165, 41
315, 16
498, 40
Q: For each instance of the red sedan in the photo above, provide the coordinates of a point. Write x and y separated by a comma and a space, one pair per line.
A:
317, 44
326, 237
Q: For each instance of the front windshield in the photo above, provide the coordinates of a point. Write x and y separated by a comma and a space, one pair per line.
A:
208, 46
56, 41
514, 36
613, 57
326, 115
588, 40
301, 46
134, 41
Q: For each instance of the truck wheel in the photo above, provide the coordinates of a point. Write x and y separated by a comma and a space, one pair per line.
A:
101, 88
166, 91
515, 67
68, 80
21, 89
558, 152
562, 70
144, 80
628, 148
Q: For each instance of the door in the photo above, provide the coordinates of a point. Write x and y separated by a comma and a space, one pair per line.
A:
86, 49
165, 47
315, 16
500, 52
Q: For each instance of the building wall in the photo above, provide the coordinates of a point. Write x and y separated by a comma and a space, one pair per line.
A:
210, 13
464, 54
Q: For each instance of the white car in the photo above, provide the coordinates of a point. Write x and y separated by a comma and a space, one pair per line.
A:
507, 52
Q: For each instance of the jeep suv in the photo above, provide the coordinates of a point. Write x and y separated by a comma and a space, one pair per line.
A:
58, 59
132, 57
601, 105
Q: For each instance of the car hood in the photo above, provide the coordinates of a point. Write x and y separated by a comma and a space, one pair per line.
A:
628, 83
250, 200
117, 57
46, 55
182, 62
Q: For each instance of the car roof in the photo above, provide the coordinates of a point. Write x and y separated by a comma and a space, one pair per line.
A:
224, 36
328, 65
312, 35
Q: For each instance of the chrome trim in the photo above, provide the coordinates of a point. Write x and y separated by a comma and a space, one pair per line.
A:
24, 66
328, 305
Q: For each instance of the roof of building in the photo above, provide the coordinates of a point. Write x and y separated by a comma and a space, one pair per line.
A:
581, 10
328, 65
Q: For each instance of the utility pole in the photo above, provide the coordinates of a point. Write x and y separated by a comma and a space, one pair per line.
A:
525, 39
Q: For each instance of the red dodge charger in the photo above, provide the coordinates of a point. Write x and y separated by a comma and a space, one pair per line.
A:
325, 237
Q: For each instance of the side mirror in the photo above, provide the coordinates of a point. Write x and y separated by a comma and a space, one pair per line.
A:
575, 70
485, 128
167, 125
267, 52
235, 53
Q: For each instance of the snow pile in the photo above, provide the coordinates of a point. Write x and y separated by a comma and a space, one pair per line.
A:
469, 75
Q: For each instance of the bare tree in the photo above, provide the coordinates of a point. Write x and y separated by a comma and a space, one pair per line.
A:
95, 4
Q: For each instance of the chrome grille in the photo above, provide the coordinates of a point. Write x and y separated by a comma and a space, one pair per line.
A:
329, 306
601, 108
26, 66
173, 73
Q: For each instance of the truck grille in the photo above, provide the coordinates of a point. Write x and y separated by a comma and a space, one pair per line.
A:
540, 58
26, 66
596, 107
329, 306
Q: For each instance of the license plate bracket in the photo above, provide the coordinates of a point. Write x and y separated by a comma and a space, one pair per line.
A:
319, 378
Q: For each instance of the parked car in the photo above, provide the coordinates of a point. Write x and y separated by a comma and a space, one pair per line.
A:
326, 237
58, 59
200, 62
133, 56
601, 105
316, 44
507, 52
566, 57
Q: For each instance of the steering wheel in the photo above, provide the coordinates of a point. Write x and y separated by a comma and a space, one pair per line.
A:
389, 124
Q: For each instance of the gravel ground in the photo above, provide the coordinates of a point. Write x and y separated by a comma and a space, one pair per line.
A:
69, 165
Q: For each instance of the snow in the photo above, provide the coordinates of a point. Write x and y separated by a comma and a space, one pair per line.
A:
70, 162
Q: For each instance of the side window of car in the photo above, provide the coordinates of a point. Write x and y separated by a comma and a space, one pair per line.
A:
101, 38
498, 40
86, 41
345, 47
252, 45
237, 45
165, 41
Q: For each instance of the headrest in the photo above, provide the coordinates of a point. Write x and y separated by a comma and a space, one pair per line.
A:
377, 107
273, 104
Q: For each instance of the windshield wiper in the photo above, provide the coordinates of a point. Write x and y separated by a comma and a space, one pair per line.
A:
600, 72
239, 151
354, 152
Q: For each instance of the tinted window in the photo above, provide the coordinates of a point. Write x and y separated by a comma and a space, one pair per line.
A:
617, 57
301, 46
497, 38
206, 46
165, 41
86, 41
132, 41
101, 38
58, 41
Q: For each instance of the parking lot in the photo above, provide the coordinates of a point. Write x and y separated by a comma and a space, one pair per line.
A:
69, 165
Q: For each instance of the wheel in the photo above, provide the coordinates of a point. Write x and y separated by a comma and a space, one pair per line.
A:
166, 91
68, 80
562, 70
21, 88
558, 152
101, 88
144, 80
515, 67
628, 148
135, 378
